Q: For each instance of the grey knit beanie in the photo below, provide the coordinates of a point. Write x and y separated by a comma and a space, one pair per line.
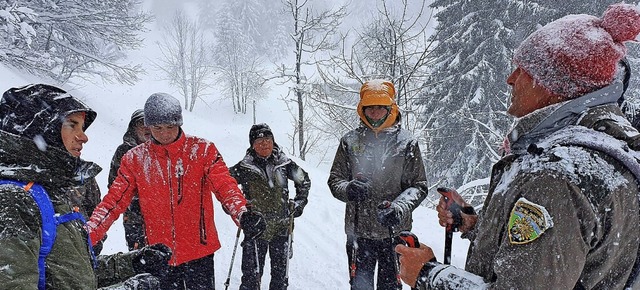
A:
162, 109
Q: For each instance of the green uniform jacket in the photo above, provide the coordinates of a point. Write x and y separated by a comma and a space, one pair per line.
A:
392, 161
265, 184
69, 264
592, 234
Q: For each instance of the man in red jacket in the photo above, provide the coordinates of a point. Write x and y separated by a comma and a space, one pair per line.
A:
174, 176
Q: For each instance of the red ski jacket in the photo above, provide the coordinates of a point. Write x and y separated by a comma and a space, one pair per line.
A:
174, 183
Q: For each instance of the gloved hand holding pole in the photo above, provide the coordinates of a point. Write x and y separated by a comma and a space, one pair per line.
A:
453, 203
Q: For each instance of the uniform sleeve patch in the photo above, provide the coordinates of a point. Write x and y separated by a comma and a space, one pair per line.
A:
528, 221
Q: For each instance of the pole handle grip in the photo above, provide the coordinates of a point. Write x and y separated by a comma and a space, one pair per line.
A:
453, 207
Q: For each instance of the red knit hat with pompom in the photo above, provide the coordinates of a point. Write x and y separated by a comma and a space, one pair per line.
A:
578, 54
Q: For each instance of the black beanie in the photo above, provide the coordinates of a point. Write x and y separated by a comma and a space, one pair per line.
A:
137, 115
38, 110
162, 108
259, 131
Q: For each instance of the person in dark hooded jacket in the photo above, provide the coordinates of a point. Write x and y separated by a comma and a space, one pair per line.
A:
379, 174
562, 210
41, 140
136, 134
263, 174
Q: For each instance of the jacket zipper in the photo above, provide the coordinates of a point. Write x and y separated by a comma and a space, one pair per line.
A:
171, 205
203, 228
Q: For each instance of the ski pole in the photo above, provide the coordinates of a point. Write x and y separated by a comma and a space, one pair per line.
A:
233, 256
386, 204
409, 239
457, 221
354, 243
290, 240
258, 276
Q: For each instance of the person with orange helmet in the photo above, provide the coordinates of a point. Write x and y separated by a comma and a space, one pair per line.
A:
378, 163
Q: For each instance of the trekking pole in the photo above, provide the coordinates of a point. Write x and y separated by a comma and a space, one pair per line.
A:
354, 243
233, 256
258, 276
289, 242
354, 238
386, 204
454, 208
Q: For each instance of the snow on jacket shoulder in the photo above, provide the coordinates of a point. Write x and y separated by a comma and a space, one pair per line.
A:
175, 183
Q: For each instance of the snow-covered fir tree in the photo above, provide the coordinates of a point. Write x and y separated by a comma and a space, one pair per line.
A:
465, 106
61, 39
466, 119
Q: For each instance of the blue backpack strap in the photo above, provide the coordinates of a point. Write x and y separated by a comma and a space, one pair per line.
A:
75, 215
50, 220
41, 198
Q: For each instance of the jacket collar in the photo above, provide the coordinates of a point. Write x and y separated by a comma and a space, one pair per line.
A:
172, 148
22, 160
276, 158
540, 123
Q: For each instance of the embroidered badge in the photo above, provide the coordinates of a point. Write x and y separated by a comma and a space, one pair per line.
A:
527, 222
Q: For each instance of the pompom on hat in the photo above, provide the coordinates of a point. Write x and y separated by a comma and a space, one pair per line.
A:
578, 54
378, 92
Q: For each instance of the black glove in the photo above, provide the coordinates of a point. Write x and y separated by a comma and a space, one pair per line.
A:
152, 259
389, 214
358, 189
297, 206
252, 224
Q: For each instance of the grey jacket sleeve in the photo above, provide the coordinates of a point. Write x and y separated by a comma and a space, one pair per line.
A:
441, 277
340, 174
301, 181
112, 269
414, 180
143, 281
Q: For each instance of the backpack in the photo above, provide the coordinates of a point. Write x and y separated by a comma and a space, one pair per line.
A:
50, 221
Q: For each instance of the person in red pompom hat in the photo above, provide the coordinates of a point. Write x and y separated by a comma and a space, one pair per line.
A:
562, 210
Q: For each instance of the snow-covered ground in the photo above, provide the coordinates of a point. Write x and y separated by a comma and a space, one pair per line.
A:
319, 260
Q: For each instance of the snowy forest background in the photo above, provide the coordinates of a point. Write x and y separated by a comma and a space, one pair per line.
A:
448, 59
298, 66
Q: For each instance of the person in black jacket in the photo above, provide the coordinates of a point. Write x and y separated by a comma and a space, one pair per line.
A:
136, 134
263, 174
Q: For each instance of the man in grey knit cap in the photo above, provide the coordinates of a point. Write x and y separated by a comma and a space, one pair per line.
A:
175, 176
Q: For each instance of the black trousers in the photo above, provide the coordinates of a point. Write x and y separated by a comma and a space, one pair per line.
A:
369, 253
252, 270
193, 275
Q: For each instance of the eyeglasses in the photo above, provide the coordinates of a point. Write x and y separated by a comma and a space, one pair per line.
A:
264, 140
